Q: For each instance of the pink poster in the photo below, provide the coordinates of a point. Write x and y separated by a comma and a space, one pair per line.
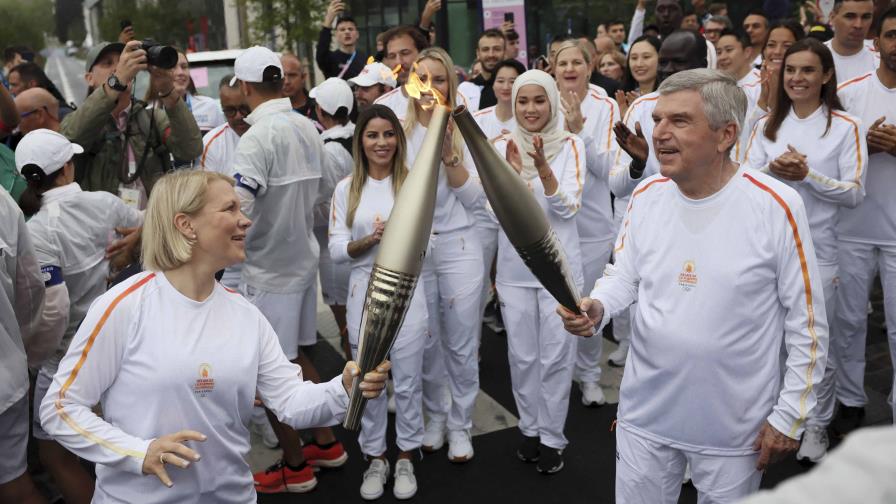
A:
495, 12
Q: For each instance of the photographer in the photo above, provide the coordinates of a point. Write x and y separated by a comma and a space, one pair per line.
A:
127, 147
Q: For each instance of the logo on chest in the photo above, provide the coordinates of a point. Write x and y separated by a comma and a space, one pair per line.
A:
205, 384
687, 279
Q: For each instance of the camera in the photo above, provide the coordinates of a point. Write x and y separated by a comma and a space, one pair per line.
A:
159, 55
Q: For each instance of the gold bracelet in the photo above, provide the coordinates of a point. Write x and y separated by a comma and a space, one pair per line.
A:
454, 162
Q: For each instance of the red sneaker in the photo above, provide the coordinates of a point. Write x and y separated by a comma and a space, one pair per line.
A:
278, 478
331, 457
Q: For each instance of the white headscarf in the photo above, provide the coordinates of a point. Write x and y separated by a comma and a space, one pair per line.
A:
553, 134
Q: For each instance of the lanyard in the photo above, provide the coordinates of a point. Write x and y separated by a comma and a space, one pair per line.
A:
348, 64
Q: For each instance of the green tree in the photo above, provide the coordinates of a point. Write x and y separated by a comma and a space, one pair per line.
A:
25, 23
284, 24
163, 20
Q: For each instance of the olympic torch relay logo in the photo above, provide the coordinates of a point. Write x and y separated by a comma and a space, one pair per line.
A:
205, 384
687, 279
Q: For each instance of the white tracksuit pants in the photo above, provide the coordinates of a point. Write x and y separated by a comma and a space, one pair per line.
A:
542, 356
452, 277
858, 263
406, 357
648, 472
594, 258
488, 240
824, 391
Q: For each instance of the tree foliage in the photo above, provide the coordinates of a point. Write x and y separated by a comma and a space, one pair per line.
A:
162, 20
25, 23
284, 24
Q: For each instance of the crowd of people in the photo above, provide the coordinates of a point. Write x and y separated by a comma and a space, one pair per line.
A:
717, 191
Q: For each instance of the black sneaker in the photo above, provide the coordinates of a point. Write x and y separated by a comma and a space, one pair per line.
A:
550, 460
848, 419
528, 450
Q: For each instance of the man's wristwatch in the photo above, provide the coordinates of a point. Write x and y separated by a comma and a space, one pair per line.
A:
116, 84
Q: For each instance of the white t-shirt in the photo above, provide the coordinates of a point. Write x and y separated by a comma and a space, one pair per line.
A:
374, 207
837, 165
339, 165
219, 149
456, 208
207, 112
158, 363
493, 127
874, 221
850, 67
560, 208
71, 231
595, 219
395, 100
278, 165
21, 300
718, 283
471, 92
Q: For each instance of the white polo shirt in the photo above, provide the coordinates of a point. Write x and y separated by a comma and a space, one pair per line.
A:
219, 149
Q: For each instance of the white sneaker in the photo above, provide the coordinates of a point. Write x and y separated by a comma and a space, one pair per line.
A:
405, 485
815, 444
374, 478
460, 446
618, 356
592, 394
433, 436
264, 429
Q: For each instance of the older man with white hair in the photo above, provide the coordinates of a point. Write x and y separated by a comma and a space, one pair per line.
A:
721, 263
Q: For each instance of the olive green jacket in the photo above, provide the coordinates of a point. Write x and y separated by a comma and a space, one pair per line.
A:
104, 163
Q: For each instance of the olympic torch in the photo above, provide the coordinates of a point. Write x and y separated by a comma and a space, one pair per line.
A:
399, 260
519, 214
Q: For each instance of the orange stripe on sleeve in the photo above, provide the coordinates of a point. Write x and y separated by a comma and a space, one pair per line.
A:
810, 311
575, 153
853, 81
60, 409
209, 144
858, 140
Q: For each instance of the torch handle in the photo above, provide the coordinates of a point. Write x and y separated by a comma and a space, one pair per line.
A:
356, 402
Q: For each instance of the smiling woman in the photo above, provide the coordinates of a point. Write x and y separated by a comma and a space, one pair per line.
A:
193, 346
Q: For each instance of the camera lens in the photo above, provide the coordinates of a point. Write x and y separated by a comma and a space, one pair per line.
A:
162, 56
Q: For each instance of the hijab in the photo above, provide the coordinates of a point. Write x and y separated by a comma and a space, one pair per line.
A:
554, 134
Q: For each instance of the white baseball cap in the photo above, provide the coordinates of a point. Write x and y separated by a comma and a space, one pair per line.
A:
254, 65
46, 149
332, 94
374, 73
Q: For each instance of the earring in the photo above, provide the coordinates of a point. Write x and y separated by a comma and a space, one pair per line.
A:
193, 237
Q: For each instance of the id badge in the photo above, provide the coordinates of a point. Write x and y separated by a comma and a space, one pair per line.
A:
131, 197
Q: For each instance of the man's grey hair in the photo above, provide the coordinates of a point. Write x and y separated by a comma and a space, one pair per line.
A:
225, 82
725, 20
724, 101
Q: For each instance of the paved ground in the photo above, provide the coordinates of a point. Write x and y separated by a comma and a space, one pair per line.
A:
496, 473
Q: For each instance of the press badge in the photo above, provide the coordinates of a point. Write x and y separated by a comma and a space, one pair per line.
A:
131, 197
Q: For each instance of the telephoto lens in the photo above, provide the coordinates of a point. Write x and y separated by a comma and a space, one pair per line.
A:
159, 55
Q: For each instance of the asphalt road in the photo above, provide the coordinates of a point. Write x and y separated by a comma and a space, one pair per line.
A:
67, 73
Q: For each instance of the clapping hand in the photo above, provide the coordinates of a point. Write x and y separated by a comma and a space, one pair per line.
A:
882, 137
635, 144
571, 104
792, 165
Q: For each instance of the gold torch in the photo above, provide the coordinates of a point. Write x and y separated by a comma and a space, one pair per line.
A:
400, 256
519, 214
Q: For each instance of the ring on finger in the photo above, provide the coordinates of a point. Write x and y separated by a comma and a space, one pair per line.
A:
162, 458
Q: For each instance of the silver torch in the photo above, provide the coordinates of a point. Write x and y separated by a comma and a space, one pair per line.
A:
398, 261
519, 214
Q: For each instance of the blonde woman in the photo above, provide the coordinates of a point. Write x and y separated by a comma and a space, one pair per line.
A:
591, 117
542, 354
452, 273
175, 360
360, 212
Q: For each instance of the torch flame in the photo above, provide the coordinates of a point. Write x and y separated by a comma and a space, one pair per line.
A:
416, 88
